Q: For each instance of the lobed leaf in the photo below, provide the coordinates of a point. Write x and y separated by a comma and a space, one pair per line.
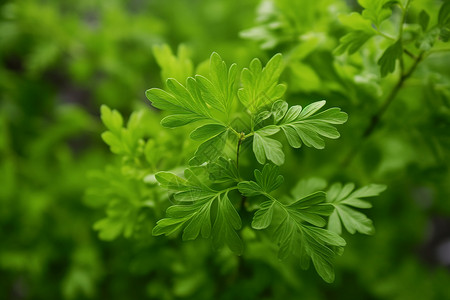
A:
344, 199
260, 85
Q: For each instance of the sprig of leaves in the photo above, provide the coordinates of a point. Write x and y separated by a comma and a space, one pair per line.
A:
260, 85
368, 24
344, 201
193, 213
296, 226
299, 125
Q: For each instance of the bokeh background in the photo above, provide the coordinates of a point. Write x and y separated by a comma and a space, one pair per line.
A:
61, 60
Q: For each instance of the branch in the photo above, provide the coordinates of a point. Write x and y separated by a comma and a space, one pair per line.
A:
376, 118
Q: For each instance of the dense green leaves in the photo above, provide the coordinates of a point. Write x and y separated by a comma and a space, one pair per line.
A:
344, 201
193, 215
297, 231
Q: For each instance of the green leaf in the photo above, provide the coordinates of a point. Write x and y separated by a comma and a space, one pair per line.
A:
426, 40
185, 103
389, 58
318, 244
194, 215
424, 19
115, 143
344, 200
112, 119
266, 181
223, 170
296, 232
260, 85
172, 182
312, 207
250, 188
376, 10
210, 150
263, 146
206, 132
194, 218
306, 126
263, 216
308, 186
173, 66
225, 226
269, 179
279, 109
218, 91
444, 21
353, 41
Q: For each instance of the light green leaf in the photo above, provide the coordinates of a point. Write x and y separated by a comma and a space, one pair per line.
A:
193, 216
218, 91
173, 66
307, 126
223, 170
260, 85
185, 103
376, 10
205, 132
112, 119
225, 226
353, 41
210, 150
263, 146
171, 181
344, 200
279, 109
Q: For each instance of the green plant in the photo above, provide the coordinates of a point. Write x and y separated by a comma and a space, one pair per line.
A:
215, 199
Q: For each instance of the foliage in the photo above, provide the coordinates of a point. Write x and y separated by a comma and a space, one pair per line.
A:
246, 209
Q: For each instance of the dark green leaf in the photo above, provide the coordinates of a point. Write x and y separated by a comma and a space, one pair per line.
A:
389, 58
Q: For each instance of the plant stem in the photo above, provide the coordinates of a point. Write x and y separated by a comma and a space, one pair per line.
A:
241, 138
377, 117
237, 153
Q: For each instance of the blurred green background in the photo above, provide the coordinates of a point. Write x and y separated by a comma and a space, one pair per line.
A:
61, 60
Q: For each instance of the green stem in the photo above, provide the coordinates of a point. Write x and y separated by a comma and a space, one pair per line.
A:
392, 95
377, 117
241, 138
432, 51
